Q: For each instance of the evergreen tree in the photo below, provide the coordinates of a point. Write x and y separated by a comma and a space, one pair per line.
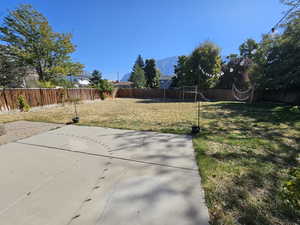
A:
152, 75
12, 74
96, 77
138, 77
139, 61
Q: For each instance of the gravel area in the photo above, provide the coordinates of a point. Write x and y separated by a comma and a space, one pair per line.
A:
22, 129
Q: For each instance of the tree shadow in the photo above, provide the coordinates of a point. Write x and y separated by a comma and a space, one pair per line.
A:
252, 141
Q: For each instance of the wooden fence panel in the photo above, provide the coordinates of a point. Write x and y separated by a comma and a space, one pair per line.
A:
44, 96
3, 105
218, 94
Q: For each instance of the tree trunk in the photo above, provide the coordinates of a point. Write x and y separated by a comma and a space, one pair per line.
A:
40, 72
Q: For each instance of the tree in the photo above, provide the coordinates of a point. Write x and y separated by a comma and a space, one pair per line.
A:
11, 73
32, 42
156, 80
140, 61
291, 2
248, 48
277, 63
96, 77
235, 70
180, 71
202, 67
138, 77
152, 74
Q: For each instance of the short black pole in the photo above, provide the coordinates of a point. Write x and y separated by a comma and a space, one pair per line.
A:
196, 128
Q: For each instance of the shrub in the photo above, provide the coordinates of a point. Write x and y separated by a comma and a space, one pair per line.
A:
46, 84
104, 86
102, 96
22, 103
291, 189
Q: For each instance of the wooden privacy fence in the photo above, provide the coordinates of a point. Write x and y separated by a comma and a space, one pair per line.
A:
289, 97
216, 94
43, 96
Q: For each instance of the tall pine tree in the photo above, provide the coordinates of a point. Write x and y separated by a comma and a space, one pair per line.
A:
152, 75
96, 77
138, 77
140, 61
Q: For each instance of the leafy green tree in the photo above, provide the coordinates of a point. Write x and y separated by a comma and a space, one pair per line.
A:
248, 48
202, 67
156, 81
180, 71
96, 77
230, 68
277, 63
152, 74
32, 42
138, 77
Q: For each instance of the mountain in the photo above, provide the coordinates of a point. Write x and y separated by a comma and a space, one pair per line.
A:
126, 77
166, 67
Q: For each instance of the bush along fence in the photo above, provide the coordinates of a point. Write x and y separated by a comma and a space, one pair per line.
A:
9, 98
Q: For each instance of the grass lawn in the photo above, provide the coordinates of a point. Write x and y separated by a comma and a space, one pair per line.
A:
243, 152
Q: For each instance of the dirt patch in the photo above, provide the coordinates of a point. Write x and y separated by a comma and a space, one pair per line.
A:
22, 129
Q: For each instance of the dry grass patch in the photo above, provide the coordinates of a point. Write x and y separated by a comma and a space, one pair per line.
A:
119, 113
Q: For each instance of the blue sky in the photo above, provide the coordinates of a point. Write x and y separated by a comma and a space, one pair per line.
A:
109, 34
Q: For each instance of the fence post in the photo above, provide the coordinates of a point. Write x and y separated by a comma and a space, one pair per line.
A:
5, 99
41, 97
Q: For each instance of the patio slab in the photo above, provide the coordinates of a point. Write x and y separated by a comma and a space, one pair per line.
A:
92, 176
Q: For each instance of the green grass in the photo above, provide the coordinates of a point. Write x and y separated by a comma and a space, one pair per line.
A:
243, 152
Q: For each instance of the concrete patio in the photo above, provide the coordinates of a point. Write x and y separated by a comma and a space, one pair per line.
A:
92, 176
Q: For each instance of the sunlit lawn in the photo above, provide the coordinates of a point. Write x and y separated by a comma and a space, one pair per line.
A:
244, 151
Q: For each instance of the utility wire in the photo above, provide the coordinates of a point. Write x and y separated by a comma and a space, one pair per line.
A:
284, 17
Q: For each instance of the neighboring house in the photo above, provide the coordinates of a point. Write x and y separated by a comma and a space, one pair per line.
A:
122, 84
83, 82
165, 81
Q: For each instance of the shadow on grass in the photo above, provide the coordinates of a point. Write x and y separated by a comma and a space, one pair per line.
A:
243, 154
168, 100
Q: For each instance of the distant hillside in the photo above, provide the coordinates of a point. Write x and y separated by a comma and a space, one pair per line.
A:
126, 77
166, 67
